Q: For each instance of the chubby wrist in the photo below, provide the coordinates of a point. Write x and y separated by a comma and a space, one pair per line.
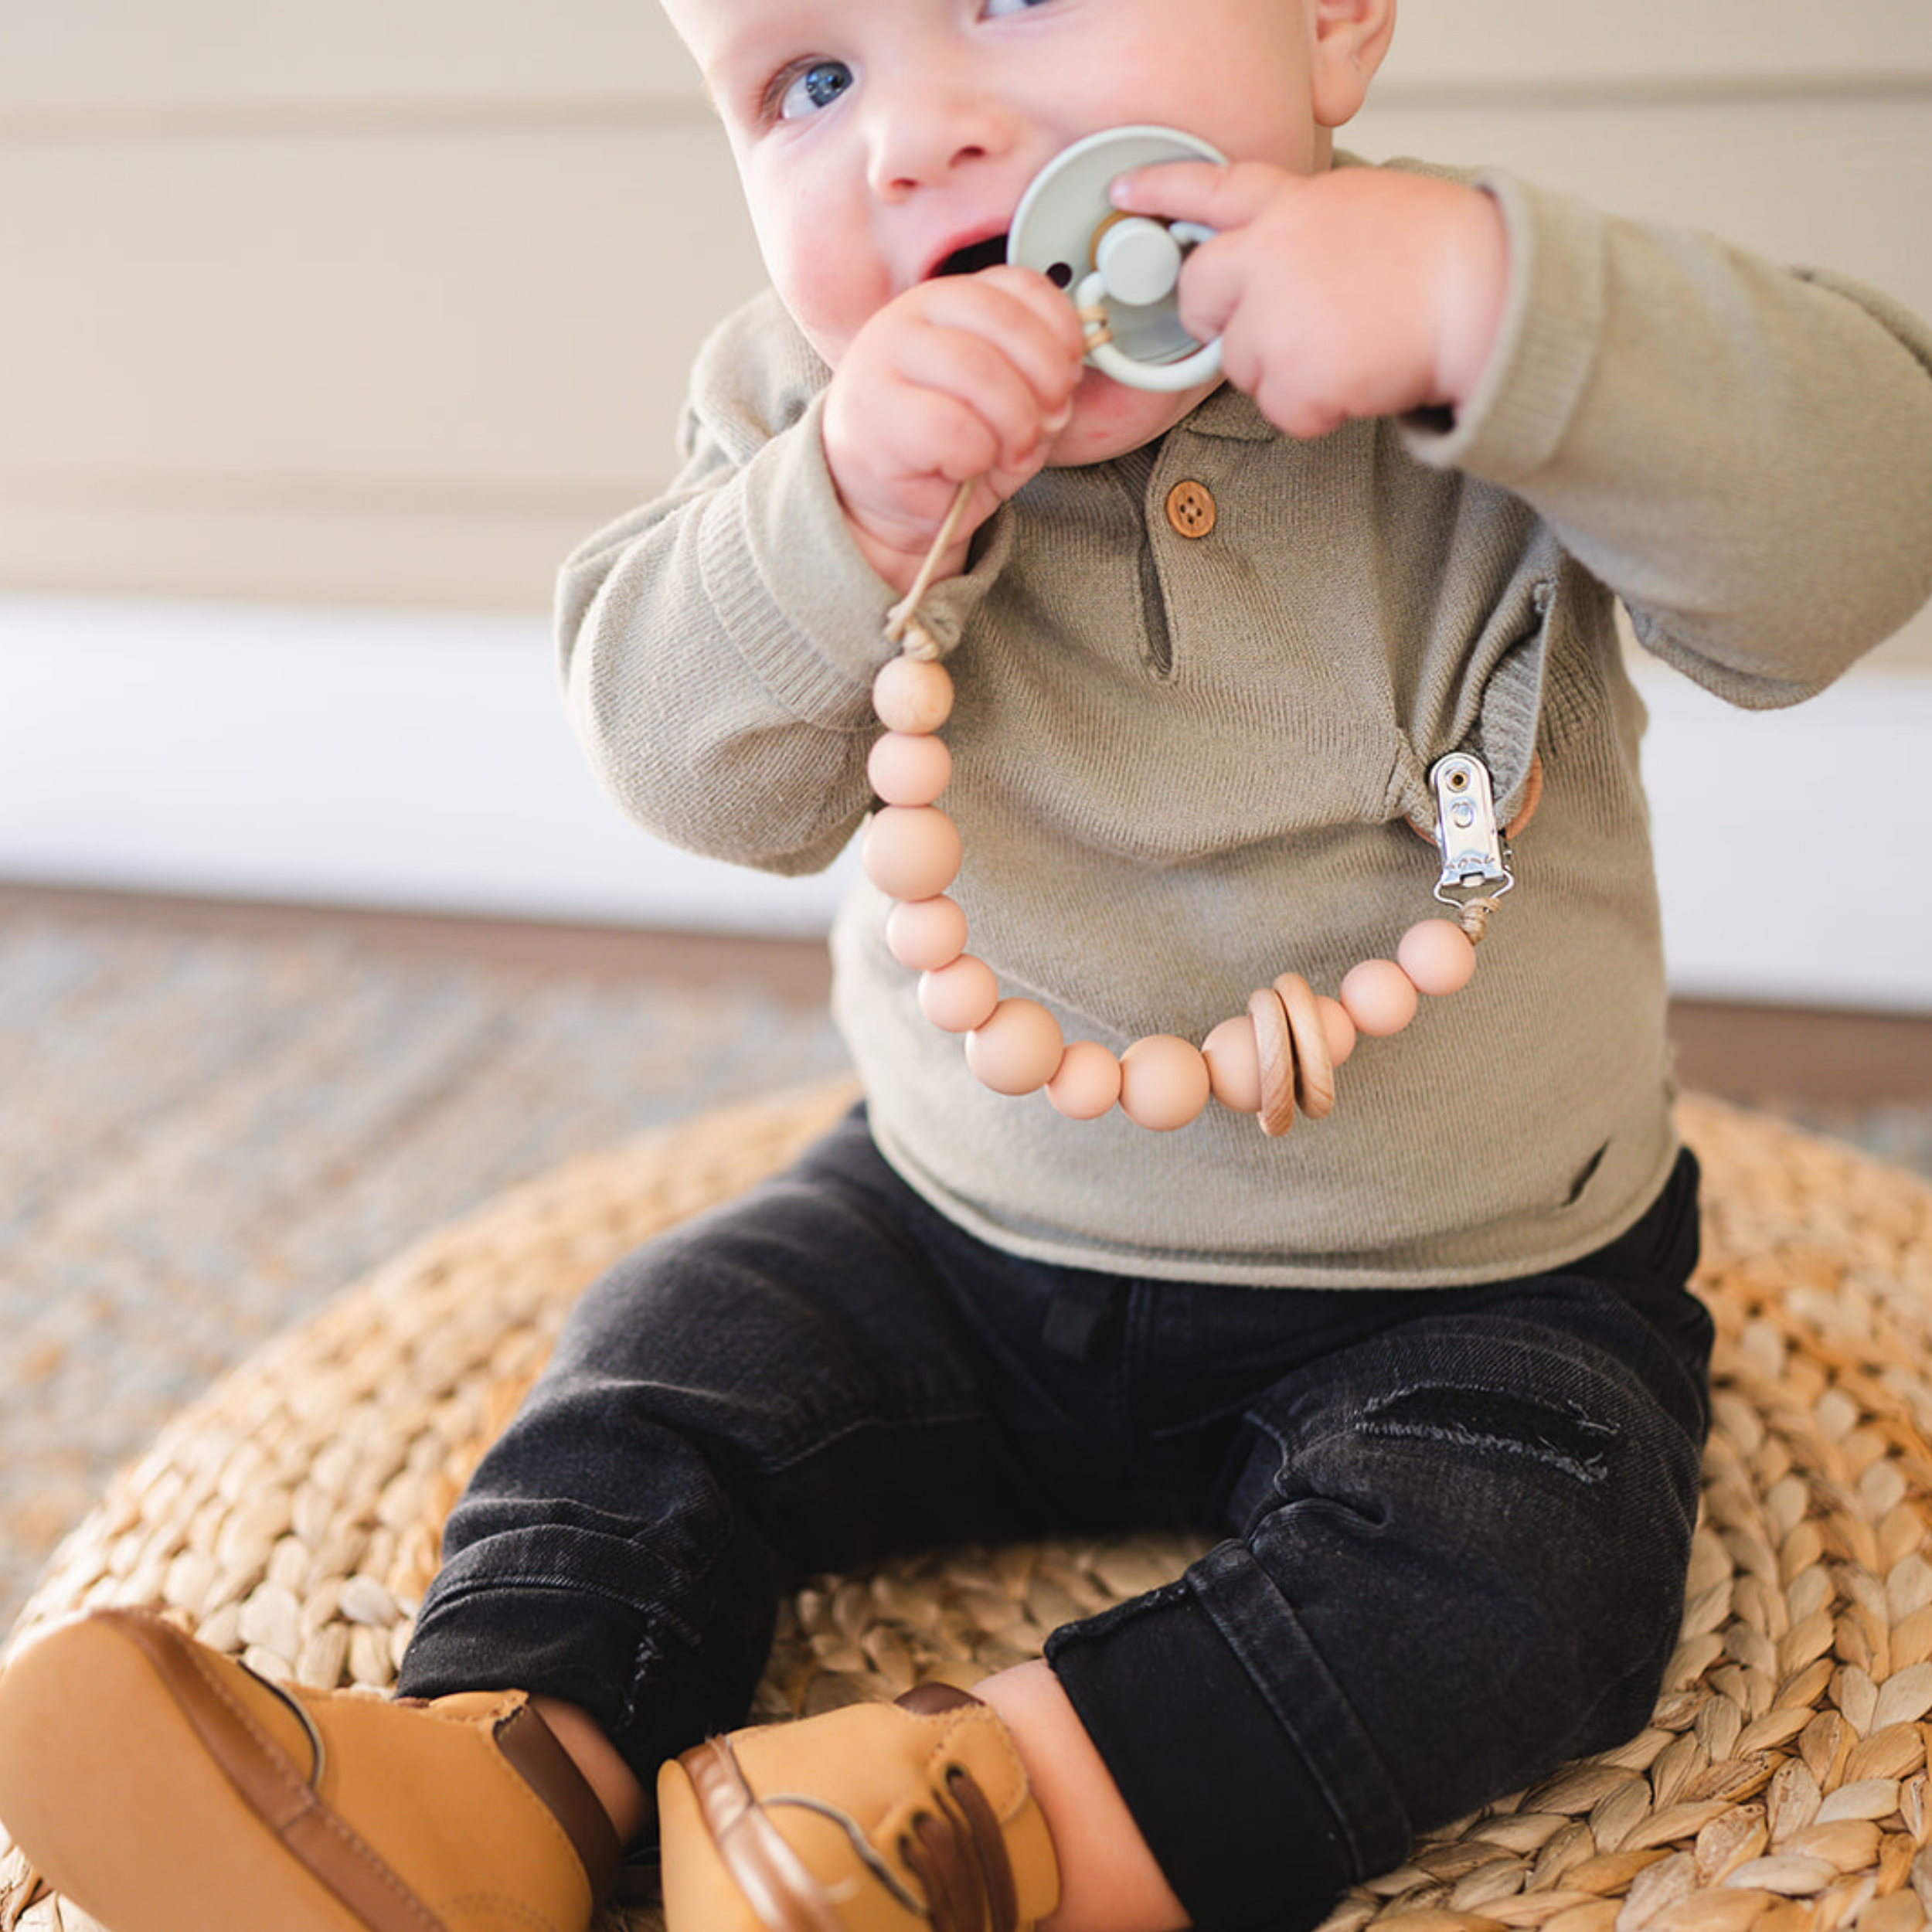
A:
1475, 297
899, 567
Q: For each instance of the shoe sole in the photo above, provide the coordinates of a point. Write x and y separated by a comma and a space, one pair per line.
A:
106, 1786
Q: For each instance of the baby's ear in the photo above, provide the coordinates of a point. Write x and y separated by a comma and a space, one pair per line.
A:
1350, 37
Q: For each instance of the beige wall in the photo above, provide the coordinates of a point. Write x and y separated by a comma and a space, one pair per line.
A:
387, 302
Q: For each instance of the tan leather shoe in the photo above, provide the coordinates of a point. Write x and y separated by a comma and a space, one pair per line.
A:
163, 1787
874, 1818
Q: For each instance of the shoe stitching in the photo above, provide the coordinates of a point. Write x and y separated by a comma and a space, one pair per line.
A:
311, 1805
1013, 1800
511, 1910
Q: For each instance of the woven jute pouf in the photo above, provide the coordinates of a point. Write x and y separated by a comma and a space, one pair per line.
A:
292, 1517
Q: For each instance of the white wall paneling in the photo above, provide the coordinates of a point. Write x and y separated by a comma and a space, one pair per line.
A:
423, 762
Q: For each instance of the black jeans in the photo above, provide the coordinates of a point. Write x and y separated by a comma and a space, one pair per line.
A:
1456, 1521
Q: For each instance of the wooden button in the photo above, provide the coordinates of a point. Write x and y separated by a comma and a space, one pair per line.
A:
1190, 508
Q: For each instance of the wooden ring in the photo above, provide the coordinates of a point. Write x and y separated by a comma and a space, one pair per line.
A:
1313, 1069
1275, 1047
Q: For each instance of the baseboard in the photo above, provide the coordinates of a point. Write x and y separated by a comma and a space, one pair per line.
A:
403, 760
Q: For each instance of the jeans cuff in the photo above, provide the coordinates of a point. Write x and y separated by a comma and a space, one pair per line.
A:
521, 1620
1251, 1779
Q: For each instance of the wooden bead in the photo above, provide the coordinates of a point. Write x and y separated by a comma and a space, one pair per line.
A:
910, 852
1087, 1082
926, 933
1164, 1082
1274, 1048
1234, 1065
1337, 1025
957, 997
908, 768
910, 694
1379, 997
1437, 956
1017, 1048
1314, 1071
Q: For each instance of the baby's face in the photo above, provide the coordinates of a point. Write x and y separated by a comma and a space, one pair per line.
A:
882, 141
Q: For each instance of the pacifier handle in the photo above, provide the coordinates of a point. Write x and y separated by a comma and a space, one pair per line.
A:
1120, 270
1138, 262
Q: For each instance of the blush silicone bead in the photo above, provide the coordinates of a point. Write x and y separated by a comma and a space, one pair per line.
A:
909, 768
1379, 997
1164, 1082
1277, 1059
926, 933
912, 694
1234, 1065
1337, 1025
957, 997
1087, 1082
1438, 957
910, 852
1017, 1048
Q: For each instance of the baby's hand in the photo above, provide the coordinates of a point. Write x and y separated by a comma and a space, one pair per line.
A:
965, 377
1359, 292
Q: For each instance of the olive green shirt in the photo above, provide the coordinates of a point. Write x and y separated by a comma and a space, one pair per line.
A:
1185, 764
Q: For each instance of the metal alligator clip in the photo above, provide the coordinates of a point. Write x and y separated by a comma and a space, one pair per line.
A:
1475, 855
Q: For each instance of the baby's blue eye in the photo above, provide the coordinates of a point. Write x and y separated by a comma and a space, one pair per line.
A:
994, 8
814, 87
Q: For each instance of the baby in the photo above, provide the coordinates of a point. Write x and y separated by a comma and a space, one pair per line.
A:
1428, 1367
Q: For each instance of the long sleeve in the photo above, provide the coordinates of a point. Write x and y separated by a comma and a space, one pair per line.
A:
1742, 453
717, 645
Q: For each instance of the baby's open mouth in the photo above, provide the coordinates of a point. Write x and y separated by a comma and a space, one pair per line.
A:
974, 256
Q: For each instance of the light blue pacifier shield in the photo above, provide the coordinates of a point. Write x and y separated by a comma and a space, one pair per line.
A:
1067, 229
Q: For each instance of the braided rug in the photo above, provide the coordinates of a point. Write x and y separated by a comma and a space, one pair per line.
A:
291, 1516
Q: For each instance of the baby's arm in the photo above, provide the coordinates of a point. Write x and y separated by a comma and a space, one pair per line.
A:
965, 377
717, 644
1742, 452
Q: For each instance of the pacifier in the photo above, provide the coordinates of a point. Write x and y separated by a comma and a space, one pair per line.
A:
1121, 270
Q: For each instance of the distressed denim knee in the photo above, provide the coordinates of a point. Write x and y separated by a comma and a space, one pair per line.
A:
778, 1386
1457, 1560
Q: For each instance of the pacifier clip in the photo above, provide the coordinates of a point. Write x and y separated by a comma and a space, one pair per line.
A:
1277, 1058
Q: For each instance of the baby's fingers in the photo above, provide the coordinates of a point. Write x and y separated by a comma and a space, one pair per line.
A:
1030, 320
1217, 196
969, 403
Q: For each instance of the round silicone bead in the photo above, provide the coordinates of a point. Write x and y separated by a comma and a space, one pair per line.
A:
926, 933
1438, 957
1234, 1064
1164, 1082
957, 997
910, 852
1379, 997
1017, 1048
1087, 1082
1337, 1025
909, 768
910, 694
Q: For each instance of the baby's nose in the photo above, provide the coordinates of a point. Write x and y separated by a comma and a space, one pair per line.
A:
927, 135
